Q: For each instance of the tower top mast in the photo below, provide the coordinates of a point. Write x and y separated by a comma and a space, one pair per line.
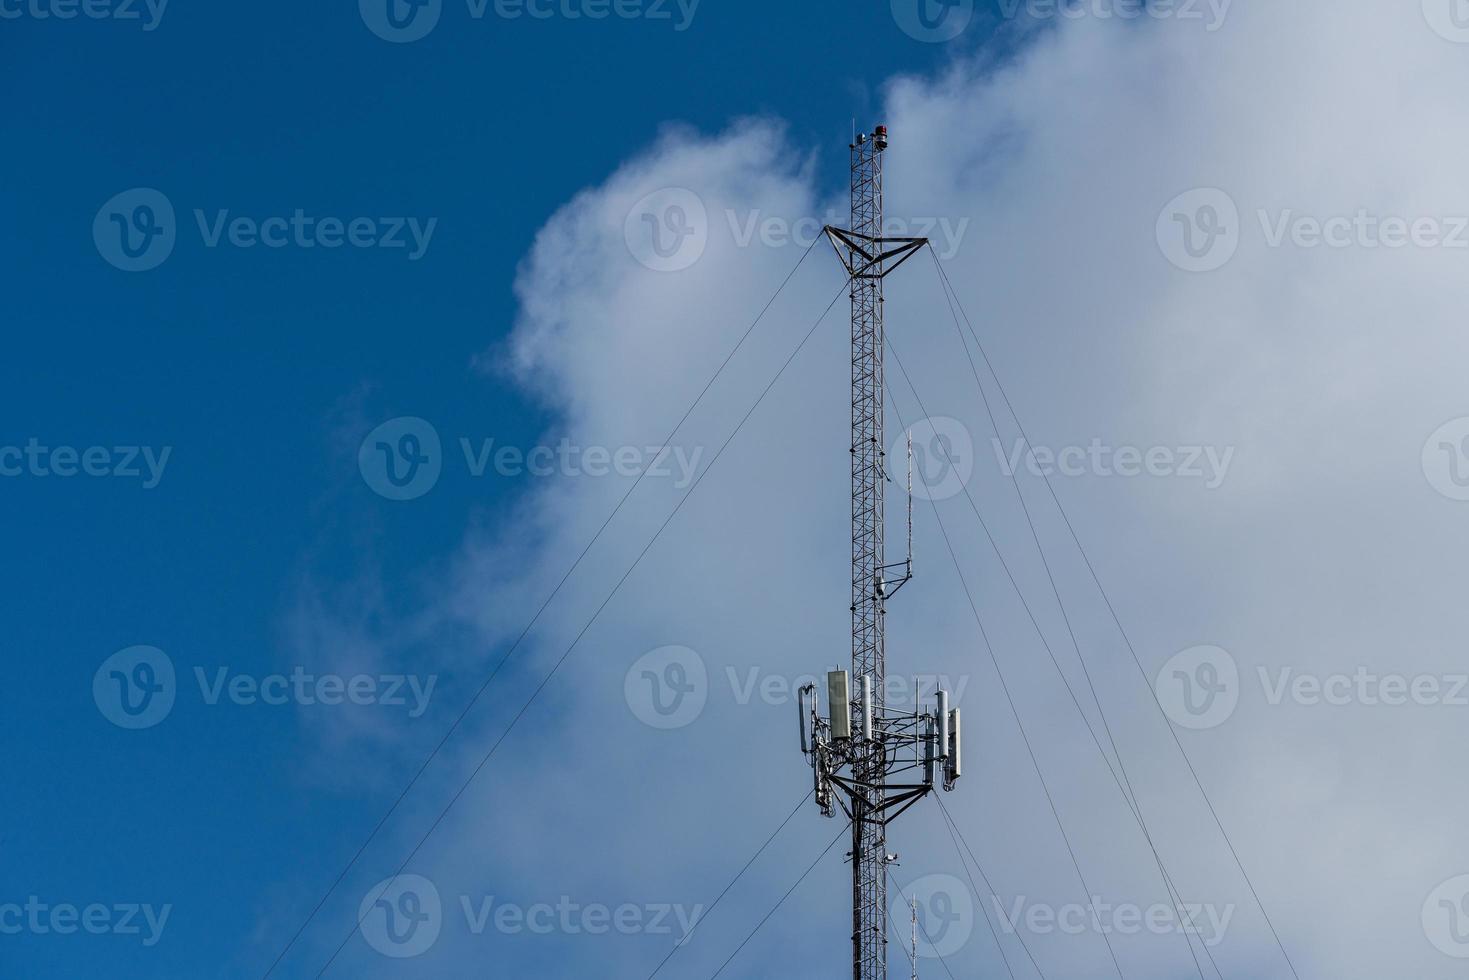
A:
860, 745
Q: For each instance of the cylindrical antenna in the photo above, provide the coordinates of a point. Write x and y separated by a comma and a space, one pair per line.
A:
943, 724
930, 750
917, 720
956, 768
868, 728
809, 689
910, 503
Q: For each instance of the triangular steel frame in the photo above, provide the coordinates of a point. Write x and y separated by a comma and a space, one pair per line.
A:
873, 251
902, 796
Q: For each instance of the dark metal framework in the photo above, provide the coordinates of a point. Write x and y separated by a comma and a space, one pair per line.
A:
859, 755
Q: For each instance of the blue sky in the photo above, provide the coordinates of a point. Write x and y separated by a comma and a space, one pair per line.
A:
190, 477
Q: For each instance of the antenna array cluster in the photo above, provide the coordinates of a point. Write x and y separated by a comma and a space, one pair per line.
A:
923, 742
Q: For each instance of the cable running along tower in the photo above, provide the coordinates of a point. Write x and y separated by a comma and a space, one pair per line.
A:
872, 762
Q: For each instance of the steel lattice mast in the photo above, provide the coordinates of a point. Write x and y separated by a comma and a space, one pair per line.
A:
861, 745
869, 837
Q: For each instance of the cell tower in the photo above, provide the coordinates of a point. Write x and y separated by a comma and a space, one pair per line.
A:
860, 746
